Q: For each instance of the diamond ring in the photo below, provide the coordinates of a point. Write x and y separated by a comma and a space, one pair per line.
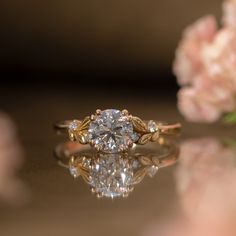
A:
113, 175
113, 131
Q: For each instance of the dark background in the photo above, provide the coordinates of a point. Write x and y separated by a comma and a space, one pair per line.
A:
99, 43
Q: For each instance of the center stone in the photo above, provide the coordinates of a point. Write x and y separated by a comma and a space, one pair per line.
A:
111, 131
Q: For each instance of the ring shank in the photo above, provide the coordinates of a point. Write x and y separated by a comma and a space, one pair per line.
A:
165, 129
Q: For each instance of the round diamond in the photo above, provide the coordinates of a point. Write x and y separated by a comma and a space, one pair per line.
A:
152, 126
111, 131
152, 170
73, 126
112, 175
74, 171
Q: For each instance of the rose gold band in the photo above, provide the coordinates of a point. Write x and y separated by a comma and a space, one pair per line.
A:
168, 129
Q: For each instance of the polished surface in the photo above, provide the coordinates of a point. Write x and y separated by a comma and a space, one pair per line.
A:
60, 205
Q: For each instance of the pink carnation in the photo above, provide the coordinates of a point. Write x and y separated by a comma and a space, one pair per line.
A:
219, 58
205, 66
188, 60
194, 108
206, 101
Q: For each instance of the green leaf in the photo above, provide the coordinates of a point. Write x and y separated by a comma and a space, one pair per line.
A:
230, 118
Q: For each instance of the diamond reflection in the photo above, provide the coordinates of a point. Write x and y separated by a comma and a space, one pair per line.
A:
114, 175
110, 175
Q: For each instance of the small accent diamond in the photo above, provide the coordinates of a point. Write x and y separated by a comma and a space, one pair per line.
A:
135, 137
152, 127
74, 171
73, 126
152, 170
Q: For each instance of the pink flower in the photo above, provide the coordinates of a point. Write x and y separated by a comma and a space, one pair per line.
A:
219, 58
229, 14
194, 108
216, 91
206, 63
206, 100
212, 92
188, 62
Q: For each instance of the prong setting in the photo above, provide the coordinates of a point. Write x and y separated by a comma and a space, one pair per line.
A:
93, 190
98, 111
92, 117
125, 112
130, 144
99, 195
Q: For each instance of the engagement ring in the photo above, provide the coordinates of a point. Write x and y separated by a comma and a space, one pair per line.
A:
113, 131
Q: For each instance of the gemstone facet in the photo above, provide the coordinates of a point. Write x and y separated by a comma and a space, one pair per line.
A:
74, 171
152, 170
152, 127
111, 176
111, 131
73, 126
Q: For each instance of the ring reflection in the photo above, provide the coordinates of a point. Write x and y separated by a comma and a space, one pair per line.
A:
115, 175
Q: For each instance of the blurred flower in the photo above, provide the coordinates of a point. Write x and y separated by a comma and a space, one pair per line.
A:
194, 108
205, 66
206, 185
229, 14
206, 177
207, 100
219, 58
12, 189
188, 61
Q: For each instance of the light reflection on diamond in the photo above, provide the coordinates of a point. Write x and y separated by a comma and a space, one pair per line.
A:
111, 175
111, 132
73, 125
74, 171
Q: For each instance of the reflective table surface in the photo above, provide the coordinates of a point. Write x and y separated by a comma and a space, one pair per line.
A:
39, 197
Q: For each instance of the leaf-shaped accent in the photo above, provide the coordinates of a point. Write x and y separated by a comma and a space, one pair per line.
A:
139, 125
84, 172
145, 160
155, 136
139, 175
145, 138
85, 124
82, 137
156, 161
72, 135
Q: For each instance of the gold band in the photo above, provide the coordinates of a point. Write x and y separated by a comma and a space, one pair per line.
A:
166, 129
115, 131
